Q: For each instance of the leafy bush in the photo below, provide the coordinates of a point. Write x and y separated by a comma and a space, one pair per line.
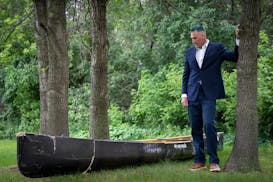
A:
122, 130
8, 130
21, 99
265, 87
79, 111
157, 100
226, 108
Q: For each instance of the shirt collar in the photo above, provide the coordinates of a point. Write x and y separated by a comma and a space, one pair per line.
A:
206, 44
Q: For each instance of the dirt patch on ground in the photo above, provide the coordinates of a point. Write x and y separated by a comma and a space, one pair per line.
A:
11, 169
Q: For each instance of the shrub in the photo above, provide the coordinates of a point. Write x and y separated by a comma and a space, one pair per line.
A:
21, 99
157, 100
79, 111
265, 87
122, 130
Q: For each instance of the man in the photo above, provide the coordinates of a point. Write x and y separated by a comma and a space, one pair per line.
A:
202, 85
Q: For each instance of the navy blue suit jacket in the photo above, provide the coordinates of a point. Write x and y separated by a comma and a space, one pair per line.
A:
209, 74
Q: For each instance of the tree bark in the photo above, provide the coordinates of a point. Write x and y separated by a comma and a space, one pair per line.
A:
99, 128
58, 69
244, 156
53, 66
42, 46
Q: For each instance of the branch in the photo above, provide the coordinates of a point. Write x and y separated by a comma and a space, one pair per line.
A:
20, 22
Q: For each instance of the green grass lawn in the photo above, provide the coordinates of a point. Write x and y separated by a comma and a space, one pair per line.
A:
7, 153
161, 172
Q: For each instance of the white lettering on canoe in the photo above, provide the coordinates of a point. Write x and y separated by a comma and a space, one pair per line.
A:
149, 149
180, 146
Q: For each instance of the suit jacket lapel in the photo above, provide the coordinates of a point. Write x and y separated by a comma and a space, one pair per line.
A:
193, 58
206, 55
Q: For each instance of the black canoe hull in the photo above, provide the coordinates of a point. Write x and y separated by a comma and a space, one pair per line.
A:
42, 155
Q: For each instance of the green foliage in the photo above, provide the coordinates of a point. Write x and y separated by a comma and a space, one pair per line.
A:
8, 129
15, 35
267, 17
122, 130
21, 99
157, 100
19, 90
79, 42
226, 108
79, 111
130, 39
265, 87
79, 66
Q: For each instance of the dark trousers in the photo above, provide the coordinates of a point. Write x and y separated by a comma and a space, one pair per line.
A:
202, 115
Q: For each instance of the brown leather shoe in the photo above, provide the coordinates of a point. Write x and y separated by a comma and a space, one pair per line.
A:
198, 166
214, 168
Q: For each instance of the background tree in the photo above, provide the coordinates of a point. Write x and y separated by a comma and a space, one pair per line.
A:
53, 66
99, 128
244, 156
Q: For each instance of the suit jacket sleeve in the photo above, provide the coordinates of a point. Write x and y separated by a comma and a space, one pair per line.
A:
185, 76
230, 56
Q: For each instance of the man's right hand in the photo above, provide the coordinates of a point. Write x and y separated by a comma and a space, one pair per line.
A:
184, 101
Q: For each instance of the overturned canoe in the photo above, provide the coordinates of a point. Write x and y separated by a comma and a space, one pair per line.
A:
43, 155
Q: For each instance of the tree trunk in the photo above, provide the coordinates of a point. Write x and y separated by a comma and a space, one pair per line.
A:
99, 128
42, 46
244, 156
58, 69
53, 66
